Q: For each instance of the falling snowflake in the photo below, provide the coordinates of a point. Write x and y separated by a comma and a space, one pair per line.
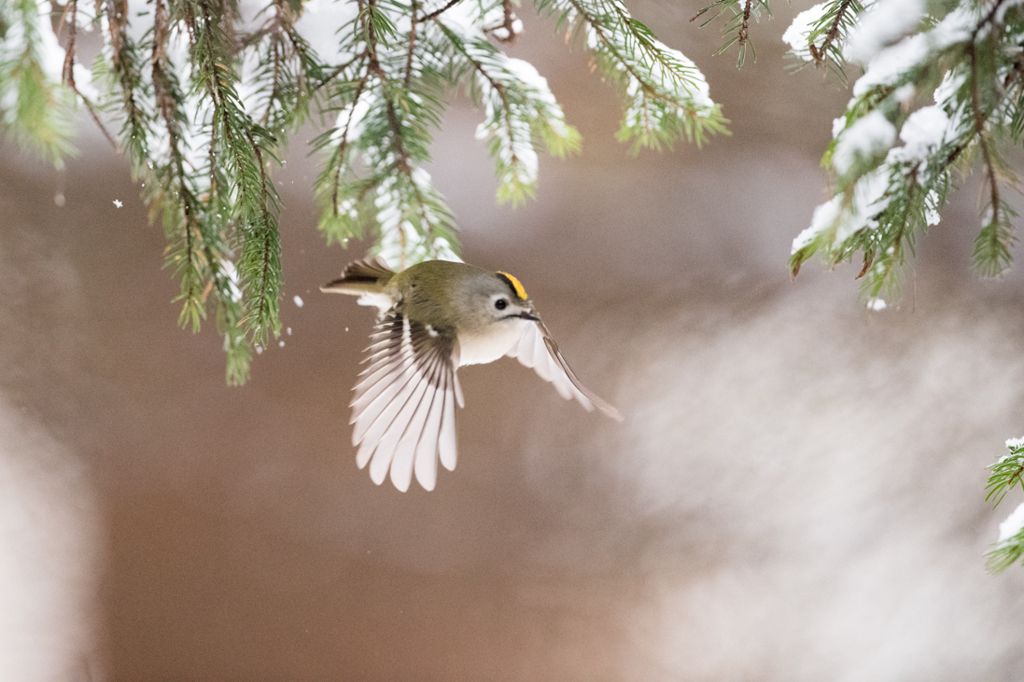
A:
117, 203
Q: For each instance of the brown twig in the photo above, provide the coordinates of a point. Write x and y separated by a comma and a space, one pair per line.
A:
275, 43
744, 33
438, 12
498, 87
508, 23
1015, 477
343, 146
278, 28
819, 53
979, 129
164, 98
412, 45
649, 89
403, 161
987, 19
70, 17
336, 71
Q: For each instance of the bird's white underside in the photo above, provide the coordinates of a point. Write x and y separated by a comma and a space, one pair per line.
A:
499, 339
404, 412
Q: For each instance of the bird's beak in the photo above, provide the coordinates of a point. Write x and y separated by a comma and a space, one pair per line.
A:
528, 316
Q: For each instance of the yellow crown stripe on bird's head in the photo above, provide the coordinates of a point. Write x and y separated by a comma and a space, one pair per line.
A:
514, 283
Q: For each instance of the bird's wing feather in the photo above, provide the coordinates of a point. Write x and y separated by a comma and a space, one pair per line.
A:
538, 350
404, 403
361, 277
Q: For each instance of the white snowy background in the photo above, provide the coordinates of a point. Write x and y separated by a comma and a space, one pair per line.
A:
796, 492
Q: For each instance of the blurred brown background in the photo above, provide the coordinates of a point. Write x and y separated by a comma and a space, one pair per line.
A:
796, 492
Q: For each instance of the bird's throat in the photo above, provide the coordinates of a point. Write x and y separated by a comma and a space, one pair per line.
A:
496, 341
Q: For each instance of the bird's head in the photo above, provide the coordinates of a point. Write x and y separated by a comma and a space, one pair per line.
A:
489, 298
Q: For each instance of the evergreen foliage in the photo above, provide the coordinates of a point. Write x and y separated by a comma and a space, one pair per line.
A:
737, 25
941, 91
1006, 474
203, 94
951, 93
35, 109
203, 98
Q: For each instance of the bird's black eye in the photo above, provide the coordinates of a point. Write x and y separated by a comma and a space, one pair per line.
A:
501, 304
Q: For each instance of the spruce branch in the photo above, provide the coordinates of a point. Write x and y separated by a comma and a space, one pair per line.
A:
180, 212
37, 112
245, 144
831, 22
70, 19
202, 107
1005, 554
338, 70
666, 95
288, 73
345, 213
519, 110
832, 35
403, 159
737, 27
893, 162
412, 45
992, 247
745, 24
834, 25
917, 174
1006, 474
439, 11
125, 72
339, 161
276, 65
509, 28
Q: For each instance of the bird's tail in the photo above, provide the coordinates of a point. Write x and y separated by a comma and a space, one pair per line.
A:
361, 277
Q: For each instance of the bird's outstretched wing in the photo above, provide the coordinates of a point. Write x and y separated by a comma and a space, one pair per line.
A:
538, 350
404, 403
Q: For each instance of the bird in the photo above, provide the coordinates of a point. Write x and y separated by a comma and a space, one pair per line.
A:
435, 317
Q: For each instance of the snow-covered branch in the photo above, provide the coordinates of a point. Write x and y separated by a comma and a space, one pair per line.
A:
667, 97
889, 192
35, 108
202, 95
518, 107
894, 152
1006, 474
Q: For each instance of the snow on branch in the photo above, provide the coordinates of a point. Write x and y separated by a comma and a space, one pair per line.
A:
667, 97
35, 108
201, 96
927, 104
737, 26
819, 35
519, 109
1006, 474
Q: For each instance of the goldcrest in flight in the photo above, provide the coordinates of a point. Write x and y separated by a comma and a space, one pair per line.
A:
435, 317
